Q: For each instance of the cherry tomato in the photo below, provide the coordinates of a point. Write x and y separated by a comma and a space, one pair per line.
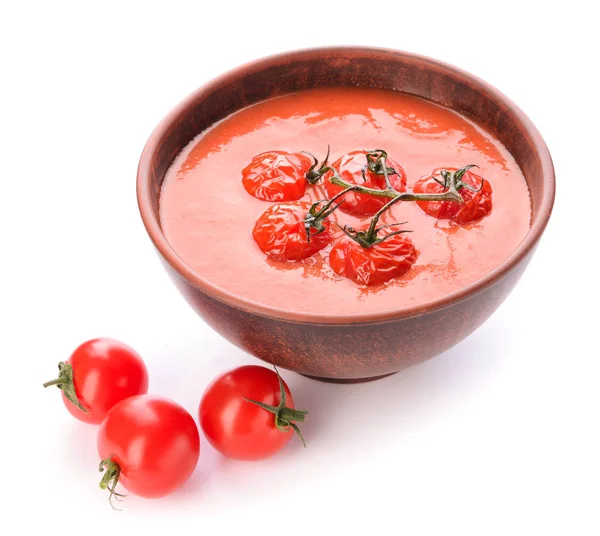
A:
384, 260
350, 168
280, 232
277, 176
248, 413
99, 374
477, 204
149, 444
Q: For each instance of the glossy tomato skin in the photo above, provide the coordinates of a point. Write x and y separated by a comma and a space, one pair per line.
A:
105, 371
349, 168
277, 176
280, 233
377, 264
476, 204
240, 429
154, 441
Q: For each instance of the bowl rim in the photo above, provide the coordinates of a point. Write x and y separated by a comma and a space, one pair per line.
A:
154, 230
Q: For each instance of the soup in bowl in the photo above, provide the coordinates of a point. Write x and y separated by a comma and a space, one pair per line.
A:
345, 212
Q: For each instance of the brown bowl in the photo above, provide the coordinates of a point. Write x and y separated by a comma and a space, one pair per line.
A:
369, 345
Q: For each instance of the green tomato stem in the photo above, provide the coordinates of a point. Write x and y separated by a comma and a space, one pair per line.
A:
285, 418
65, 383
110, 479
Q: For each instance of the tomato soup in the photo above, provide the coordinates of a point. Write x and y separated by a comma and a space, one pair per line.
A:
208, 217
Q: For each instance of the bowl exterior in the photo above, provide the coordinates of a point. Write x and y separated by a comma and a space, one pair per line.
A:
350, 352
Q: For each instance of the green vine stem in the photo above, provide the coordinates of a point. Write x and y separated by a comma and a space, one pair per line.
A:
377, 163
455, 178
451, 194
285, 418
65, 383
110, 479
316, 216
370, 237
313, 175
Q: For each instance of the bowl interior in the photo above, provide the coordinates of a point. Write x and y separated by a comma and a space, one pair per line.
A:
344, 66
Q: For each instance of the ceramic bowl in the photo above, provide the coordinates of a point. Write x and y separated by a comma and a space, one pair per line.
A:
368, 345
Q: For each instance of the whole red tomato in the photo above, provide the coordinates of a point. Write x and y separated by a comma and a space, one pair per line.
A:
99, 374
277, 176
248, 413
475, 191
373, 262
281, 232
149, 444
350, 168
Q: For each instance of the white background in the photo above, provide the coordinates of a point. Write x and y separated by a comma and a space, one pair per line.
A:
497, 436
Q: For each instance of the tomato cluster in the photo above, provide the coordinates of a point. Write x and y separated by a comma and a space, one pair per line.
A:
151, 444
363, 183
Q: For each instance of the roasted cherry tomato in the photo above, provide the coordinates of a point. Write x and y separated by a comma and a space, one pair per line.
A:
248, 413
350, 168
391, 254
475, 190
281, 232
277, 176
149, 444
99, 374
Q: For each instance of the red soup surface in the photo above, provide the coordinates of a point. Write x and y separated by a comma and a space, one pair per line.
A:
208, 216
